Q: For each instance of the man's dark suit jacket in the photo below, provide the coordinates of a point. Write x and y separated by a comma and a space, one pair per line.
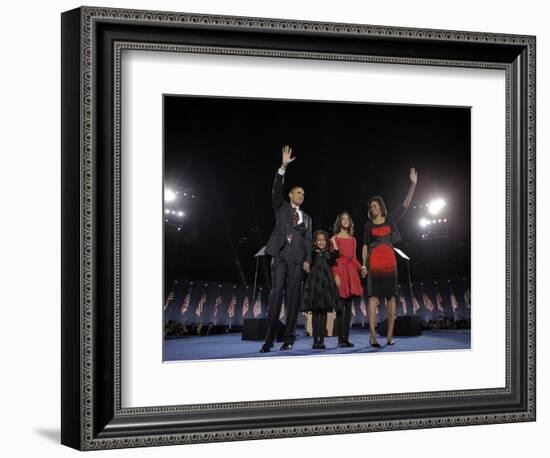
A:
284, 227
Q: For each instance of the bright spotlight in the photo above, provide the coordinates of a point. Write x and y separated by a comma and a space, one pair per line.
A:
436, 205
167, 211
423, 222
180, 214
169, 195
173, 212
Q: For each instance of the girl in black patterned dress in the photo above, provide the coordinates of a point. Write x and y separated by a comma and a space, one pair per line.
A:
320, 291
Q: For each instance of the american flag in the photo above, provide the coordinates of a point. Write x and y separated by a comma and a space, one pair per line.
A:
169, 299
186, 301
246, 306
439, 299
282, 313
454, 303
258, 305
200, 306
363, 307
217, 307
231, 306
403, 304
427, 302
416, 305
467, 298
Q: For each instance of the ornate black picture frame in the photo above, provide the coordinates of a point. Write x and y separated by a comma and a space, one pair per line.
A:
92, 42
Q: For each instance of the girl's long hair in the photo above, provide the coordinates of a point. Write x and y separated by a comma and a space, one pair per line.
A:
337, 227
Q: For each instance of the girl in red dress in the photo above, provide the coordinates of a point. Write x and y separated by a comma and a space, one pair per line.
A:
346, 274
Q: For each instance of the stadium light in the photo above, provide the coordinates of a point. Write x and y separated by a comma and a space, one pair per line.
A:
436, 205
423, 222
169, 195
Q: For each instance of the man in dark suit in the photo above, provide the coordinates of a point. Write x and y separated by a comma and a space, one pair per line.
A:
290, 245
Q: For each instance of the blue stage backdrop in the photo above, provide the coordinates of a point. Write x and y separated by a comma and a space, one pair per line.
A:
227, 304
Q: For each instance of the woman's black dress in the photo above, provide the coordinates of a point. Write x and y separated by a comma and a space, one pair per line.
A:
382, 263
320, 291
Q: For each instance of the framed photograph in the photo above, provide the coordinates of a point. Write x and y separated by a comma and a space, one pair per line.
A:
276, 228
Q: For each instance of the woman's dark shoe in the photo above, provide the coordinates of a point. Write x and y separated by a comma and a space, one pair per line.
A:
390, 342
374, 344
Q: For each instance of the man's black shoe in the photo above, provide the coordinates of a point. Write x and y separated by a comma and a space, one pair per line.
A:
346, 344
265, 348
286, 346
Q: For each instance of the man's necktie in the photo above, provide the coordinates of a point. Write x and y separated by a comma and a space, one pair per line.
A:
295, 217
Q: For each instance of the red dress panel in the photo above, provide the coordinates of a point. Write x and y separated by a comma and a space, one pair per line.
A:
382, 277
347, 268
382, 258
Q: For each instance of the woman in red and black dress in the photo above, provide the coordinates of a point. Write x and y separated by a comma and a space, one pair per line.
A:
346, 274
379, 260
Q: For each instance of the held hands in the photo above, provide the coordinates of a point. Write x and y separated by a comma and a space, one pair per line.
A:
364, 271
287, 156
306, 266
413, 176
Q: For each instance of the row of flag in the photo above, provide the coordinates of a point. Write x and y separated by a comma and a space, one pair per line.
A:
427, 302
184, 307
257, 308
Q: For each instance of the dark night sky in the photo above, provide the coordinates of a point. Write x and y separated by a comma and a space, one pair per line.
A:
226, 151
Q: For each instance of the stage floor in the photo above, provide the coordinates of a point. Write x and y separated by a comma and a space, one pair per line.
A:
225, 346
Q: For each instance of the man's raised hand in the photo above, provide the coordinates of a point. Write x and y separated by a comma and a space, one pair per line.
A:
413, 175
287, 155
